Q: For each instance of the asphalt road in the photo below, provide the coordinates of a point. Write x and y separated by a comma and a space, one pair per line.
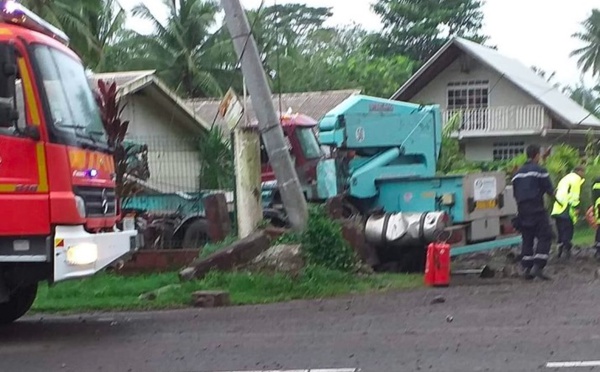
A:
512, 326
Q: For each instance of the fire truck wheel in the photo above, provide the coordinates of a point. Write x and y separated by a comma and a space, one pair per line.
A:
196, 235
19, 303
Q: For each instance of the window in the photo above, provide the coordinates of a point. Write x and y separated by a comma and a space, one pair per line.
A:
309, 143
19, 101
508, 150
471, 100
71, 102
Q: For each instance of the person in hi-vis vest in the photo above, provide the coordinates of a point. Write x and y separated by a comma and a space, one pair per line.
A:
596, 204
566, 208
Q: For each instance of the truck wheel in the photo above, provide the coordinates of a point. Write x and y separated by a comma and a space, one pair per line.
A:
196, 235
20, 302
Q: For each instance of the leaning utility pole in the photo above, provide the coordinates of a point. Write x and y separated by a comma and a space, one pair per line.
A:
268, 121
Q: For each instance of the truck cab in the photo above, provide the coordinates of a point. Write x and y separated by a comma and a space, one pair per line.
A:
57, 174
305, 150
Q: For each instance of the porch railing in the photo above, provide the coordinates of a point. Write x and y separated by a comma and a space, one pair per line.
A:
498, 119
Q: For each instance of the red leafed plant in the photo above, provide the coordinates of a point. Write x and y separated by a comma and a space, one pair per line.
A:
111, 110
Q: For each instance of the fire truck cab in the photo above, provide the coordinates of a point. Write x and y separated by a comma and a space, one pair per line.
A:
57, 189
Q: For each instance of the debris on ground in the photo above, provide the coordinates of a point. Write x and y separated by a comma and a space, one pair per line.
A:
438, 300
236, 255
153, 295
281, 258
211, 299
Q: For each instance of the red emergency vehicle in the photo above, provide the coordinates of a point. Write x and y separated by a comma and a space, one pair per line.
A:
57, 190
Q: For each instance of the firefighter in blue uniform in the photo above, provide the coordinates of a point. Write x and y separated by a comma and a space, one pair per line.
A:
530, 183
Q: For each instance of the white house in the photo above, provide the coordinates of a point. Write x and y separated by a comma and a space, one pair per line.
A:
163, 121
503, 104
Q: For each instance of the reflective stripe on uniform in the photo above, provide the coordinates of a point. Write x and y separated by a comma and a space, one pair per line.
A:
530, 174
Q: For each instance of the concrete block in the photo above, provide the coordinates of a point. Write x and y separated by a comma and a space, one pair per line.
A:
236, 255
211, 299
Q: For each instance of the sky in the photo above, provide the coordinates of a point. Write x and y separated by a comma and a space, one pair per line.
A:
536, 32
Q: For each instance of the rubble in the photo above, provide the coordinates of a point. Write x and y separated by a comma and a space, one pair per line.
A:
236, 255
280, 258
211, 299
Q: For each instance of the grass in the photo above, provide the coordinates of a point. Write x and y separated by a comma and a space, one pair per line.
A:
211, 248
584, 237
108, 292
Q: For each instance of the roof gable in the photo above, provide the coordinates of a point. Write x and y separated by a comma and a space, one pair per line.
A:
131, 82
561, 106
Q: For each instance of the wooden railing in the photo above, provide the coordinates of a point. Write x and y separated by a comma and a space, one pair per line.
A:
498, 119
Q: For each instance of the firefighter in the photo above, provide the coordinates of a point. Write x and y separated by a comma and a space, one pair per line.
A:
566, 209
530, 183
596, 206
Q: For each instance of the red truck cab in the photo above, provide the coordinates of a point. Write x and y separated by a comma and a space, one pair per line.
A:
57, 188
299, 132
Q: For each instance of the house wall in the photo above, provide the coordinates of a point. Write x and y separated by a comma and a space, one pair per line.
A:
482, 149
502, 92
172, 156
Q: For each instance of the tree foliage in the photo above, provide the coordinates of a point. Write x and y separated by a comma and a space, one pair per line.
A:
588, 56
418, 28
181, 48
191, 49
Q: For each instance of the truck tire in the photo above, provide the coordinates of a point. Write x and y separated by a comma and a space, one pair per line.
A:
20, 302
196, 235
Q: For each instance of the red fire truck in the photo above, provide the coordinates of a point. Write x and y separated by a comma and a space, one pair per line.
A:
57, 189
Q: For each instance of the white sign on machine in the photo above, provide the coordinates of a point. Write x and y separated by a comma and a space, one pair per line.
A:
485, 191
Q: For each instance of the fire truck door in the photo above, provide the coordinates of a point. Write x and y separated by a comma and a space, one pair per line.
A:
24, 199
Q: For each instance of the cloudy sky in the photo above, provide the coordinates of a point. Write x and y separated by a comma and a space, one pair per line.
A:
536, 32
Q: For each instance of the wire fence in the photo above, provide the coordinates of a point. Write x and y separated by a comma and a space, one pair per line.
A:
173, 164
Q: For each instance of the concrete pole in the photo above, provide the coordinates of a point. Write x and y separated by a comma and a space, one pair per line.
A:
247, 180
246, 145
268, 120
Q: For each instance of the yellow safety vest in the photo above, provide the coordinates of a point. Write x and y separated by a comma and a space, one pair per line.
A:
567, 194
596, 186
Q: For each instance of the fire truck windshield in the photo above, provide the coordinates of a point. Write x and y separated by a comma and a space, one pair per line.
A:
71, 102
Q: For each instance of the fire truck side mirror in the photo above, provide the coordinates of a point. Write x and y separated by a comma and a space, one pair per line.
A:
8, 75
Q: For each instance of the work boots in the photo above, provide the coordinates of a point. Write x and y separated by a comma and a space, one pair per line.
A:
566, 250
538, 272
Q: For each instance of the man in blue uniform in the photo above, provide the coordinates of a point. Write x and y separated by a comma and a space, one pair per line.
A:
530, 183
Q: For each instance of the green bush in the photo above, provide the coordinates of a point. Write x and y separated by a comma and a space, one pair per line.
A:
324, 245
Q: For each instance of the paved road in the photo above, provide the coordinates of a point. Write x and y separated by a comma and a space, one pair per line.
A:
499, 327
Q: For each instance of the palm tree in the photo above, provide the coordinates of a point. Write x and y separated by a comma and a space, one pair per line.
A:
589, 54
586, 97
92, 25
183, 50
106, 22
65, 14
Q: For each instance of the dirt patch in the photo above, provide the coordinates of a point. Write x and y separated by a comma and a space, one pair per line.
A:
582, 266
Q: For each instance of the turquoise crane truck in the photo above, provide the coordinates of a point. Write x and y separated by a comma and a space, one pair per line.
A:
384, 160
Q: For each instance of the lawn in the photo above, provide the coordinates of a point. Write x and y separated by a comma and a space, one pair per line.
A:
106, 292
584, 237
111, 292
